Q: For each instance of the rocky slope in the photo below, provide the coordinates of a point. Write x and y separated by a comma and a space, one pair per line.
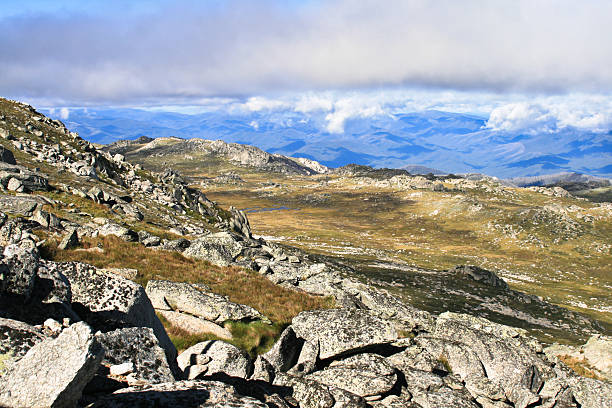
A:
72, 334
240, 154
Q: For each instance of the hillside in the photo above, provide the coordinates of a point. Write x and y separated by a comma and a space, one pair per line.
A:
405, 231
129, 278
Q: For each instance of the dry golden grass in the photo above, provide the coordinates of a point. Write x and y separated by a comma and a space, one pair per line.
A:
580, 366
242, 286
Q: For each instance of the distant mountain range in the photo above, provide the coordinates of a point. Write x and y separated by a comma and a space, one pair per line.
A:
451, 142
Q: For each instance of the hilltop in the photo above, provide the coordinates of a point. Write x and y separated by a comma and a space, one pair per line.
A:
129, 278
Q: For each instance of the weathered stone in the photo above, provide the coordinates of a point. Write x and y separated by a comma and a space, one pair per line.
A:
444, 398
109, 302
220, 249
482, 352
53, 372
362, 374
51, 285
122, 369
388, 307
15, 184
117, 230
284, 354
597, 353
23, 206
177, 245
480, 275
341, 330
139, 347
24, 180
45, 219
590, 393
240, 223
18, 271
6, 156
127, 273
307, 360
311, 394
224, 358
418, 358
195, 325
53, 326
191, 394
16, 338
70, 240
262, 370
184, 297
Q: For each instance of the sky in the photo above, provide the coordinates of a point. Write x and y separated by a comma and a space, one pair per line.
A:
536, 64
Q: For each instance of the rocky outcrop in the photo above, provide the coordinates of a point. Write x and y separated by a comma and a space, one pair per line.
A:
480, 275
53, 372
20, 179
108, 302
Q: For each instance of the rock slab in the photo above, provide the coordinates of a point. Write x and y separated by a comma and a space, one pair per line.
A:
54, 372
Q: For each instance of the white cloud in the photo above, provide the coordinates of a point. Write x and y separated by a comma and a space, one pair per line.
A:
241, 47
518, 116
313, 102
553, 114
258, 103
64, 113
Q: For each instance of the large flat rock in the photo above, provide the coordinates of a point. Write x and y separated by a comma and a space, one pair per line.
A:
339, 331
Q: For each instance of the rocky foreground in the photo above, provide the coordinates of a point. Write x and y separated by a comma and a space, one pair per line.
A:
74, 335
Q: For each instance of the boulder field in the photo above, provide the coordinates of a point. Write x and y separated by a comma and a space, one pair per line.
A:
74, 335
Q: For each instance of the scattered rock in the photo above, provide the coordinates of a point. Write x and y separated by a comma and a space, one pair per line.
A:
6, 155
117, 230
70, 240
215, 357
220, 249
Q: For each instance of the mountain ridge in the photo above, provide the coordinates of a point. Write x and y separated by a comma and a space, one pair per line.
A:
455, 143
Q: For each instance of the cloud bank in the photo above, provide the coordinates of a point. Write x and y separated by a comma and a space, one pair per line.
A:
504, 113
186, 49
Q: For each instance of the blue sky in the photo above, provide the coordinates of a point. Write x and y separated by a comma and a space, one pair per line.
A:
525, 62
